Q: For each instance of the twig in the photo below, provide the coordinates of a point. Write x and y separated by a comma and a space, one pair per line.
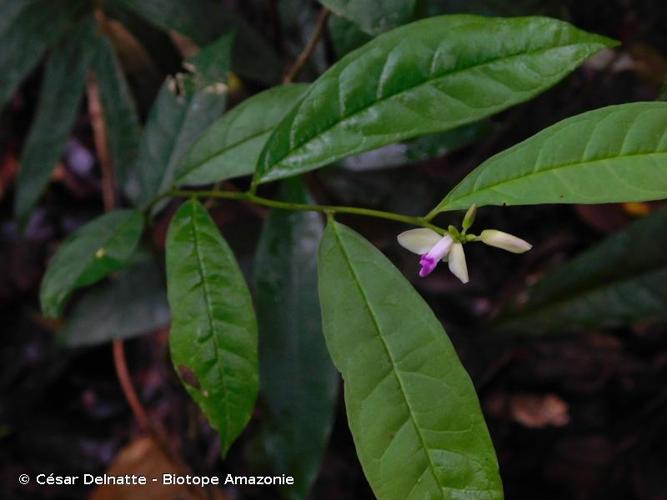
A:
109, 200
100, 138
308, 50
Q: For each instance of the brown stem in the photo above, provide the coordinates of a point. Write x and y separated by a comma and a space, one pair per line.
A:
308, 50
100, 138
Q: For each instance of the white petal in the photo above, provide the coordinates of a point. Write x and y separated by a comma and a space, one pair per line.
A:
505, 241
457, 262
419, 241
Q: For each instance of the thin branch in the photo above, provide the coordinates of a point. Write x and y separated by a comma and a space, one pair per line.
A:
308, 50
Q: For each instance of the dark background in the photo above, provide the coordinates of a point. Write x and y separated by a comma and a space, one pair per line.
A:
572, 416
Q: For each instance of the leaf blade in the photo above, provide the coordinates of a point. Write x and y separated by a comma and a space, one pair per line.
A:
92, 252
299, 382
412, 409
624, 141
213, 338
412, 81
59, 100
231, 146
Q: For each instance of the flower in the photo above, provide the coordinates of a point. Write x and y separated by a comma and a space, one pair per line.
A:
457, 262
505, 241
430, 245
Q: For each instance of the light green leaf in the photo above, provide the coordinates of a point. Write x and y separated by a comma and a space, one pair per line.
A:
119, 111
612, 154
102, 246
231, 146
60, 96
429, 76
27, 29
618, 282
298, 380
411, 407
374, 16
174, 123
213, 338
132, 303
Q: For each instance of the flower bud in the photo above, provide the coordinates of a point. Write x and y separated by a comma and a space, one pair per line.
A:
505, 241
469, 218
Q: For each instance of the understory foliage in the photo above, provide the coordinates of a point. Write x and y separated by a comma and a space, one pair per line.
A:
321, 299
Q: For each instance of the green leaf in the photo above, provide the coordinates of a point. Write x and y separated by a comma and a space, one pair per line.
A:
59, 100
298, 381
102, 246
132, 303
119, 111
213, 336
174, 123
374, 16
611, 154
411, 407
618, 282
27, 29
231, 146
429, 76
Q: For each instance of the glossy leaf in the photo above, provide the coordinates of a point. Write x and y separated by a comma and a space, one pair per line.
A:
213, 337
618, 282
92, 252
429, 76
130, 304
374, 16
411, 407
612, 154
298, 381
174, 123
27, 31
60, 96
231, 146
119, 110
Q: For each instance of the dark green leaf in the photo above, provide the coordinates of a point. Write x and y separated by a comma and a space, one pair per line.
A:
130, 304
88, 255
618, 282
231, 146
374, 16
411, 407
298, 381
346, 36
174, 123
119, 111
611, 154
60, 95
425, 77
27, 30
213, 336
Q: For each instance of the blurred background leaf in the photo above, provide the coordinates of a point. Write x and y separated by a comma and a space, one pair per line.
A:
298, 381
619, 282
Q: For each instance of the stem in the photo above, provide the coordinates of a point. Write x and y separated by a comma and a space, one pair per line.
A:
302, 207
308, 50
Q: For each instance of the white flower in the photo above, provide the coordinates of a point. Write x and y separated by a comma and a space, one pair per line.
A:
505, 241
432, 247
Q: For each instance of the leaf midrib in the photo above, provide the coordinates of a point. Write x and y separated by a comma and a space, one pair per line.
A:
394, 370
410, 89
211, 322
443, 206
